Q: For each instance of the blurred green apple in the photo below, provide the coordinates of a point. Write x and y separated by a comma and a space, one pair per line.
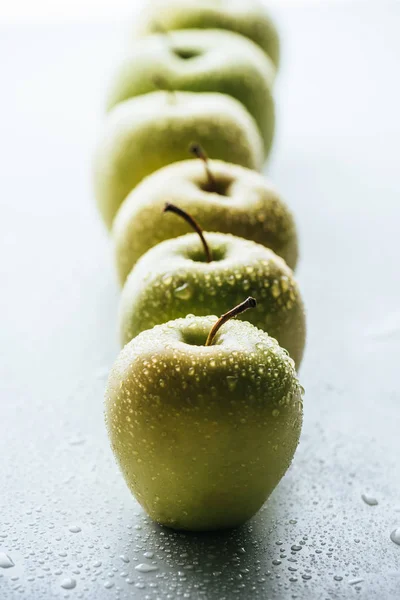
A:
237, 201
249, 18
203, 434
200, 61
173, 279
148, 132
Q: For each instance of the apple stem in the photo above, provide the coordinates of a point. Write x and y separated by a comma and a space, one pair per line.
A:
198, 151
193, 223
240, 308
161, 84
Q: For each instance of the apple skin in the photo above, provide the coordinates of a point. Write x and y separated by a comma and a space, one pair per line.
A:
148, 132
247, 206
221, 61
203, 434
172, 280
249, 19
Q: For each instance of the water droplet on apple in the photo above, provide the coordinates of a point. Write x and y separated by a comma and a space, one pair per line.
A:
275, 290
68, 583
232, 382
5, 561
184, 292
370, 500
395, 536
167, 279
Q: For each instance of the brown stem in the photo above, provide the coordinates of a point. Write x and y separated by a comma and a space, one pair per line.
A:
193, 223
249, 303
198, 151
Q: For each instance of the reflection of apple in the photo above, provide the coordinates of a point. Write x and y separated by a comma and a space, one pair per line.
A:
146, 133
200, 61
203, 434
173, 279
248, 18
237, 201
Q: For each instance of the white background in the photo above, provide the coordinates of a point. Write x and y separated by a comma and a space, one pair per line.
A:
52, 11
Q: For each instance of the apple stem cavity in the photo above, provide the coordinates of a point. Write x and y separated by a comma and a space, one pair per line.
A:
193, 223
198, 151
234, 312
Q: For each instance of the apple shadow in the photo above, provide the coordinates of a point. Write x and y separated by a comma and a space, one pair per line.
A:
222, 564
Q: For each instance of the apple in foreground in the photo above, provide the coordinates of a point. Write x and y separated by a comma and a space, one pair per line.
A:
203, 433
188, 275
223, 197
148, 132
249, 18
200, 60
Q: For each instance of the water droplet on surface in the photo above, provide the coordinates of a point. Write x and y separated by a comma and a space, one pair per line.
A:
148, 554
355, 581
306, 577
395, 536
370, 500
145, 568
78, 441
68, 583
296, 548
124, 558
275, 412
74, 528
5, 561
276, 562
337, 577
108, 585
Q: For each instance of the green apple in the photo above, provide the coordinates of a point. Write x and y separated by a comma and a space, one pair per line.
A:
203, 434
238, 201
200, 61
173, 279
249, 18
146, 133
